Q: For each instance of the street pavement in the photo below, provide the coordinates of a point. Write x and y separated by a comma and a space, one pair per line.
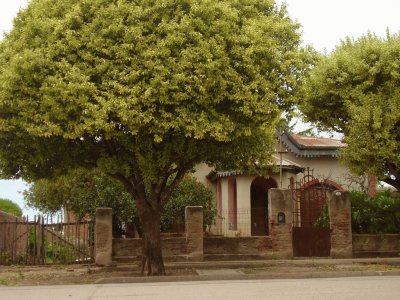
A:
365, 288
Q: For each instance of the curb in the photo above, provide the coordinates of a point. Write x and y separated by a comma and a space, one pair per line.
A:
300, 275
261, 263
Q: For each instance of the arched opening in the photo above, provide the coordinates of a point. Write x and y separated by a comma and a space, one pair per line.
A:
314, 200
259, 204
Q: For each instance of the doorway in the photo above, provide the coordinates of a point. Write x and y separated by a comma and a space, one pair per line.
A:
259, 205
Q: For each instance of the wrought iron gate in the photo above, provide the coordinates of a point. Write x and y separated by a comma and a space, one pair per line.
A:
46, 241
311, 232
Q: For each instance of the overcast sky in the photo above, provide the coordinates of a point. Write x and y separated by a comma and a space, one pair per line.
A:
324, 24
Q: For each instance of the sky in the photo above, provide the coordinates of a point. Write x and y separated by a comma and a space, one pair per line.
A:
324, 24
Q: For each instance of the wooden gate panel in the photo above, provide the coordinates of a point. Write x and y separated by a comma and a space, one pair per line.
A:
311, 242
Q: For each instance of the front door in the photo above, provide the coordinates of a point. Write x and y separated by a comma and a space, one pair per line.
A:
259, 212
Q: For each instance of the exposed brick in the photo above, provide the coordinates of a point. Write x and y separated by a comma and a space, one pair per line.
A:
340, 218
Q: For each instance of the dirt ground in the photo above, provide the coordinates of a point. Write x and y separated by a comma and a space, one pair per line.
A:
86, 274
70, 274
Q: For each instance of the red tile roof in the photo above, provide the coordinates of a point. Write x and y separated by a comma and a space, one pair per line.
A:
317, 142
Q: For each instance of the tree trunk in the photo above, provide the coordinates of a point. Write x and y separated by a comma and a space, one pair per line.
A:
150, 217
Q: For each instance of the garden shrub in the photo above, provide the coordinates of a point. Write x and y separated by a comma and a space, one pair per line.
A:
375, 215
189, 192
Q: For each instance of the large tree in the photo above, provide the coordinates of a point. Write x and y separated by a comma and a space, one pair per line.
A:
356, 90
145, 90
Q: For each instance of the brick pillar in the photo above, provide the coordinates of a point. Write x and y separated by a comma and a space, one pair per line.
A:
340, 219
280, 204
103, 236
194, 231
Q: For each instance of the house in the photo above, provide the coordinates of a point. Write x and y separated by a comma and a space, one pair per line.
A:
242, 198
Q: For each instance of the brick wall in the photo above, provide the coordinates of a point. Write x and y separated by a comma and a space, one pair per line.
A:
376, 245
126, 250
189, 247
176, 248
236, 247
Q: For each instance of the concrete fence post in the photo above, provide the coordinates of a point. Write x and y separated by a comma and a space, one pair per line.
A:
280, 215
340, 222
194, 232
103, 236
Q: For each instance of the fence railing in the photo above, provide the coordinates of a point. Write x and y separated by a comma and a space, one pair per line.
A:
46, 241
251, 220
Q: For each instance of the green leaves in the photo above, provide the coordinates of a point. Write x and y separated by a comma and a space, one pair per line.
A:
10, 207
380, 214
146, 90
355, 90
189, 192
150, 88
81, 191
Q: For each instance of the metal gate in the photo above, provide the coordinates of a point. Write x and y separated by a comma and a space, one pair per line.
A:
311, 232
46, 241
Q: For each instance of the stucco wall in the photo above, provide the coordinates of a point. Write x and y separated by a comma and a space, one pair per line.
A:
201, 172
324, 168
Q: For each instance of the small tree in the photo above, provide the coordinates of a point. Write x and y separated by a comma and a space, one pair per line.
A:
10, 207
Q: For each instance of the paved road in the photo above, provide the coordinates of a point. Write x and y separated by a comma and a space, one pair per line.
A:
365, 288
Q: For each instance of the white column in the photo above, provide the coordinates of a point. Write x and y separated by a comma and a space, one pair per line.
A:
243, 184
224, 205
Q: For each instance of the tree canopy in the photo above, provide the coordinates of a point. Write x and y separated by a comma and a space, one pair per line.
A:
10, 207
145, 90
356, 90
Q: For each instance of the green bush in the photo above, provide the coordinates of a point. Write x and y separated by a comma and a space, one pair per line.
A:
379, 214
189, 192
10, 207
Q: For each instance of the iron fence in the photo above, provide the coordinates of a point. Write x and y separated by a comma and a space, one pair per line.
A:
253, 220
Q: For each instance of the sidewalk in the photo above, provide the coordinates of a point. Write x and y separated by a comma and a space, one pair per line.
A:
200, 271
267, 269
